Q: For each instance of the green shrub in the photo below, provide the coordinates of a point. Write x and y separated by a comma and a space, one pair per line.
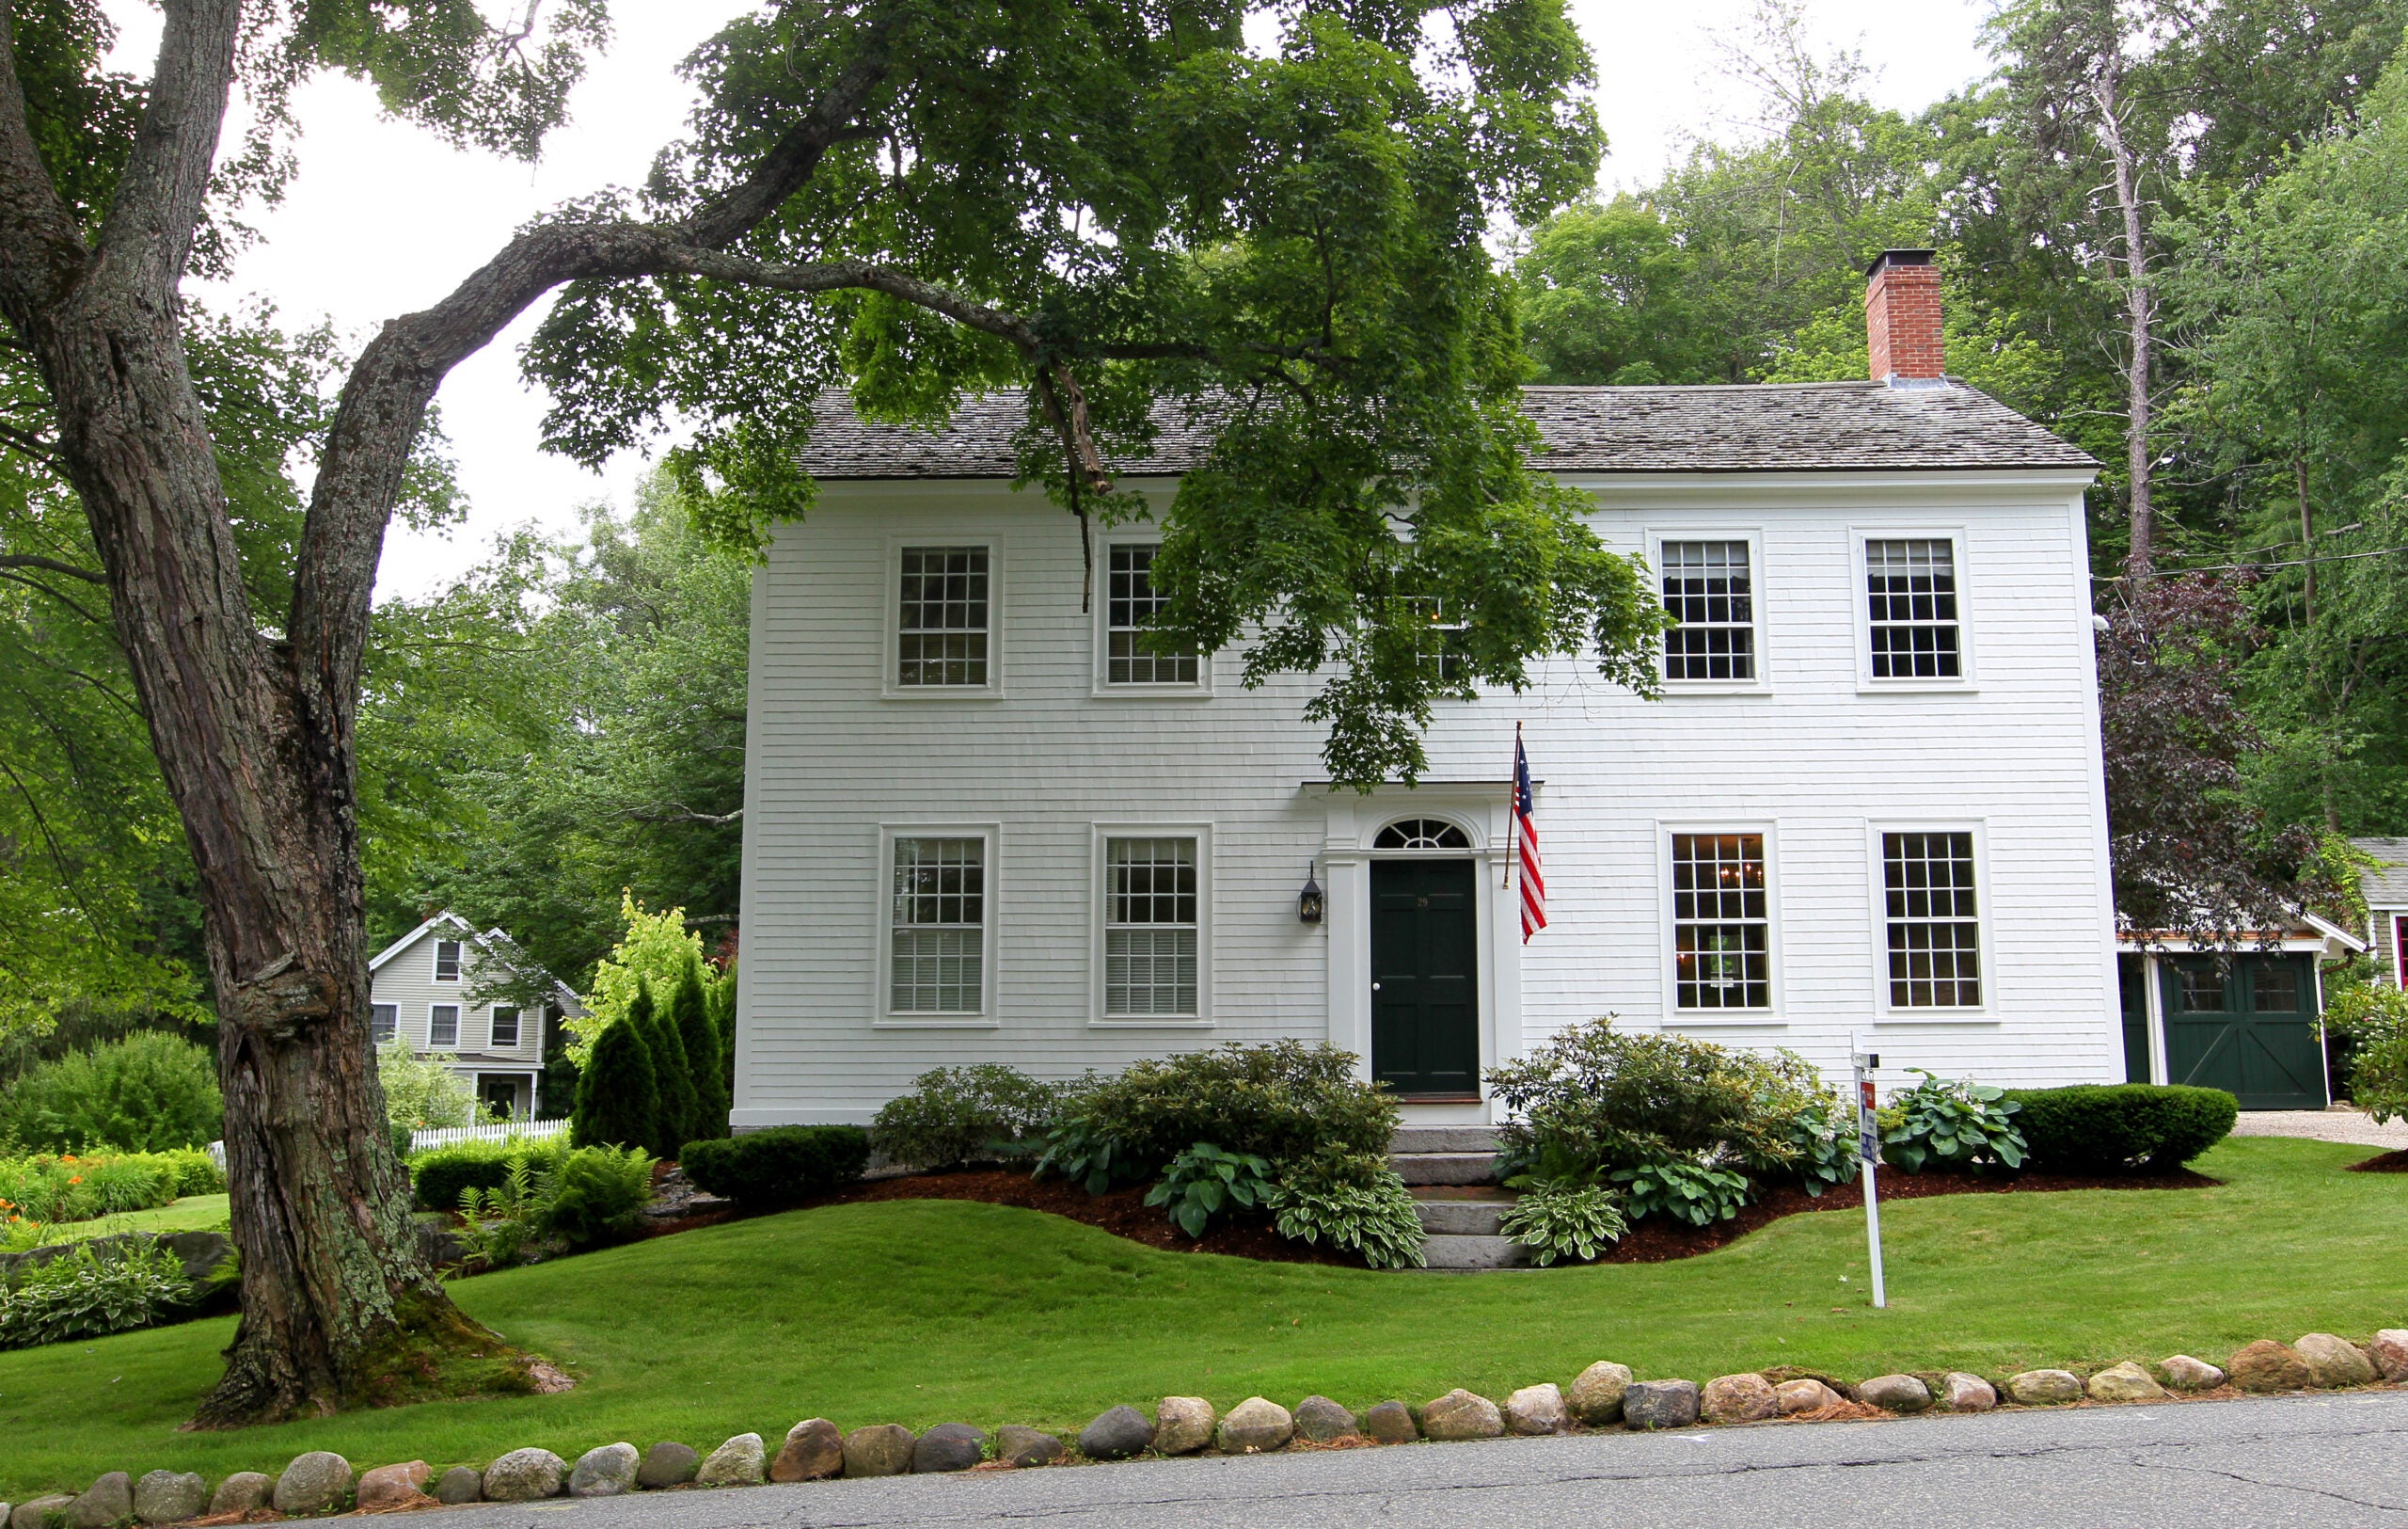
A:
196, 1172
680, 1105
82, 1296
965, 1114
421, 1092
618, 1097
145, 1093
2120, 1127
1823, 1138
439, 1175
1279, 1101
1204, 1181
779, 1166
1564, 1219
1950, 1123
1684, 1190
597, 1194
689, 1015
77, 1188
1592, 1098
2379, 1079
1353, 1201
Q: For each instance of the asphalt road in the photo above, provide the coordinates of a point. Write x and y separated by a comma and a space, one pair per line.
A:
2327, 1461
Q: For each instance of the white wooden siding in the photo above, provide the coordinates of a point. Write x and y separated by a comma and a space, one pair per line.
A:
1811, 755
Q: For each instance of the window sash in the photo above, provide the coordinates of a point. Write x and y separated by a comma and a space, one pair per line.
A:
1911, 610
443, 1027
1709, 589
942, 631
505, 1027
937, 925
1722, 922
1153, 905
383, 1022
1131, 604
447, 961
1935, 932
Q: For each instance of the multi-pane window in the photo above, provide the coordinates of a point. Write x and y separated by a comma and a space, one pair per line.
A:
1935, 932
1721, 929
383, 1022
2199, 990
937, 935
1149, 926
1440, 644
943, 638
443, 1027
1708, 591
1911, 598
447, 961
1131, 657
2274, 987
505, 1027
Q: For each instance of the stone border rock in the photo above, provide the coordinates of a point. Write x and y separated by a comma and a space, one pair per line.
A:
1604, 1396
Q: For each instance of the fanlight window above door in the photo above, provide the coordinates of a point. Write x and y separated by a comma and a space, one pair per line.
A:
1422, 834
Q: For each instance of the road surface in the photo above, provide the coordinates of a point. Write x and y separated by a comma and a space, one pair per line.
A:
2333, 1462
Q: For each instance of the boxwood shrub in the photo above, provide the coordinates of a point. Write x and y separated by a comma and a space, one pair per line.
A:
2121, 1127
1280, 1101
438, 1176
779, 1166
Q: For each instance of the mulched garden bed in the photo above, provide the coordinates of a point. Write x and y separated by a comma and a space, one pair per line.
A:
2388, 1162
1124, 1213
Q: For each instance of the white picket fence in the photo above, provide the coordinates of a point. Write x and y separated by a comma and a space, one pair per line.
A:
451, 1136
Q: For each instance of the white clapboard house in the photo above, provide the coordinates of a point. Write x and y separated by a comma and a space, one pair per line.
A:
983, 825
433, 988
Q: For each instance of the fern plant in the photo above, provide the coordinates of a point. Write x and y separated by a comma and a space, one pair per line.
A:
1203, 1180
496, 1224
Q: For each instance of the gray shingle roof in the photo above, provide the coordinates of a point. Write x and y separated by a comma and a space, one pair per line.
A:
2387, 885
1802, 428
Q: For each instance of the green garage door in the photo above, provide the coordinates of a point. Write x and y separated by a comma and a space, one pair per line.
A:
2246, 1025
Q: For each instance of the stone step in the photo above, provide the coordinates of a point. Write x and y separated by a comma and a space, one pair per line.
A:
1461, 1217
1445, 1167
1444, 1138
1451, 1252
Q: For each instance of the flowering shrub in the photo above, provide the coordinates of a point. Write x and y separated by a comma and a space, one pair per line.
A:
69, 1188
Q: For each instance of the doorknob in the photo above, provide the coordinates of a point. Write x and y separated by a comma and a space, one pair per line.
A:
1376, 987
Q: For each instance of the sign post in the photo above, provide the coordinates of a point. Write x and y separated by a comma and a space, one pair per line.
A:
1868, 1147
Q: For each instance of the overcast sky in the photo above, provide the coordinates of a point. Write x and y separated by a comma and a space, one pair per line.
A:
384, 219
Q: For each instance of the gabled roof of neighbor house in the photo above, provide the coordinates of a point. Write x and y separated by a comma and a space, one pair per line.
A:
1797, 427
2386, 886
493, 942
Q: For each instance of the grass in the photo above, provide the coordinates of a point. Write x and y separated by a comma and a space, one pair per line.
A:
922, 1312
193, 1213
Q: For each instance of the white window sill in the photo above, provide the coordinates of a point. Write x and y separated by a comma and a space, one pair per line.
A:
942, 692
1916, 687
1936, 1016
1684, 1019
1716, 686
1135, 1023
1152, 693
936, 1022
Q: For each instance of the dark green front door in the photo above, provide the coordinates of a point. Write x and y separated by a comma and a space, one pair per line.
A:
1425, 987
2247, 1026
2132, 978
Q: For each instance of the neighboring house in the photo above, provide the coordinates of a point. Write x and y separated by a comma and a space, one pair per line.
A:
2245, 1020
2385, 889
983, 825
426, 988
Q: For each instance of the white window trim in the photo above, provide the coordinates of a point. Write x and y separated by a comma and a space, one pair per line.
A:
435, 960
458, 1027
1202, 834
1675, 1017
1754, 536
492, 1044
372, 1007
892, 607
1884, 1012
1859, 596
882, 972
1201, 690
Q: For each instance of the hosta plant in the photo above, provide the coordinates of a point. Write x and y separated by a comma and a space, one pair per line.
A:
1684, 1190
1203, 1180
1950, 1123
1564, 1218
1353, 1201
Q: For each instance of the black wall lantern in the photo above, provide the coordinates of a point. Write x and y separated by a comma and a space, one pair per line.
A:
1310, 902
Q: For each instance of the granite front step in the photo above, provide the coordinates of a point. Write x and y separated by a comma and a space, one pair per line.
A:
1452, 1251
1445, 1167
1444, 1138
1462, 1218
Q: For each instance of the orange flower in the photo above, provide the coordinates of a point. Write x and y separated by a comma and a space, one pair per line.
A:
77, 1179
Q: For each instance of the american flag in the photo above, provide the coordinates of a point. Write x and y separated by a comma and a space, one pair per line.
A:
1526, 844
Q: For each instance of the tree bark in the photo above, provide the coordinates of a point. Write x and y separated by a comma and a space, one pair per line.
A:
2140, 309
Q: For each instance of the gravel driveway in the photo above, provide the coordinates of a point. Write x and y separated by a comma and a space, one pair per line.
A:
2322, 1125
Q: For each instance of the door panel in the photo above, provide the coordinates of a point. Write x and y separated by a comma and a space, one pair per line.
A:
2249, 1030
1425, 976
2132, 978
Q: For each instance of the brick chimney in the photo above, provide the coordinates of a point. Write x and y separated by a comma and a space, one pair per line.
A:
1902, 317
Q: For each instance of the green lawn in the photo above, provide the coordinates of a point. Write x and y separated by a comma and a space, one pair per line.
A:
193, 1213
923, 1312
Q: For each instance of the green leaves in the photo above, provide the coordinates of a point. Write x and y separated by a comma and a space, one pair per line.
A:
1203, 1180
1950, 1123
1557, 1220
1684, 1190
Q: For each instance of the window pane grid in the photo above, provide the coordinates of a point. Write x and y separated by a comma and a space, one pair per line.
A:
505, 1027
1910, 594
443, 1025
383, 1022
943, 638
1149, 937
1131, 605
1935, 932
1721, 927
1709, 591
447, 961
937, 944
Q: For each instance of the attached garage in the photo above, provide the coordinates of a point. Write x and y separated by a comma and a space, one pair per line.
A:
2244, 1021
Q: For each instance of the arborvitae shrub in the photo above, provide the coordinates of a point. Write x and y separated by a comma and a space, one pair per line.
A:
678, 1105
618, 1097
2120, 1127
781, 1165
690, 1013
